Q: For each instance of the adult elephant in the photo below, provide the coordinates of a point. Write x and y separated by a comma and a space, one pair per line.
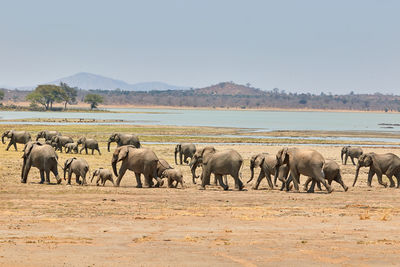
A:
267, 163
140, 161
352, 152
16, 137
302, 161
47, 135
227, 162
388, 164
123, 140
43, 157
187, 150
60, 141
88, 144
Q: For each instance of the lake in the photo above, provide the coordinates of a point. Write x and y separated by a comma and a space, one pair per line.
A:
254, 120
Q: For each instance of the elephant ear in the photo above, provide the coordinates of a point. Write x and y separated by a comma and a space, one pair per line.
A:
123, 153
283, 155
369, 159
28, 148
68, 163
206, 154
259, 160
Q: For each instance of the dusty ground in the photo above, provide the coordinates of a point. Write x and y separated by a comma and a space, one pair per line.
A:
51, 225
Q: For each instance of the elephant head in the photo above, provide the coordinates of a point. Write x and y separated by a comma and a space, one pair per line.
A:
81, 140
27, 151
67, 164
255, 161
365, 160
178, 149
200, 157
41, 134
113, 138
95, 173
282, 157
119, 154
55, 139
344, 151
8, 134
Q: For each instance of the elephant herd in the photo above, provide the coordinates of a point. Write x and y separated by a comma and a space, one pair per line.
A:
287, 165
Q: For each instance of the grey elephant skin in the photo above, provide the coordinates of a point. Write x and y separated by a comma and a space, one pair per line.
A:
139, 160
61, 141
43, 157
103, 175
332, 173
352, 152
88, 144
227, 162
302, 161
79, 167
47, 135
71, 148
185, 150
16, 137
123, 140
173, 175
267, 163
379, 164
162, 165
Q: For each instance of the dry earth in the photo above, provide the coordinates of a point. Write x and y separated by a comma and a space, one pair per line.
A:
52, 225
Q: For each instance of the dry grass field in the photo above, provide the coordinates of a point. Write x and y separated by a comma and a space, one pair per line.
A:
53, 225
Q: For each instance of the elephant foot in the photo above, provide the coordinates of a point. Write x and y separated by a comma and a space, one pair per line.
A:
139, 186
23, 181
161, 183
385, 185
41, 182
202, 188
345, 189
369, 184
226, 188
392, 185
330, 190
310, 191
305, 188
254, 188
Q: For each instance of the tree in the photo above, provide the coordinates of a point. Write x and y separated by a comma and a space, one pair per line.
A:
46, 95
69, 94
93, 99
1, 94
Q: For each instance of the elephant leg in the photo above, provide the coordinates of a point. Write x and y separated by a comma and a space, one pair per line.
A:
15, 146
319, 177
80, 150
41, 176
180, 157
392, 183
55, 172
215, 180
311, 189
138, 181
271, 185
352, 160
9, 144
345, 159
319, 185
47, 172
77, 176
295, 179
185, 160
339, 180
371, 174
287, 183
398, 179
225, 178
84, 179
69, 177
221, 183
86, 150
170, 182
92, 151
98, 180
25, 171
305, 187
379, 175
259, 179
98, 151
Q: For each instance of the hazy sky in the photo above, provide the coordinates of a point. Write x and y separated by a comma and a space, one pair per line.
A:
305, 46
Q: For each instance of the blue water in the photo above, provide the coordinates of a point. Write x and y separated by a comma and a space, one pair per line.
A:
255, 120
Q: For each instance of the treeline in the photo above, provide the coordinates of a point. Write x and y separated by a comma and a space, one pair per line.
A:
219, 97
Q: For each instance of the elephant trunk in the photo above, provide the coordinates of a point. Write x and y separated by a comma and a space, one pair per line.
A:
252, 173
114, 165
341, 156
176, 152
108, 145
193, 170
2, 138
37, 137
356, 176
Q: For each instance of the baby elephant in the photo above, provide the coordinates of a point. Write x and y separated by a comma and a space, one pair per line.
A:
332, 173
173, 175
103, 175
71, 147
78, 166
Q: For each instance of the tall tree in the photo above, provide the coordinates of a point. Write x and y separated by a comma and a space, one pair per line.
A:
69, 94
46, 95
93, 99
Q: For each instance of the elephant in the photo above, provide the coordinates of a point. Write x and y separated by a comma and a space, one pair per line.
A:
71, 148
267, 163
43, 157
352, 152
173, 175
332, 173
61, 141
140, 161
47, 135
187, 150
302, 161
78, 166
123, 140
388, 164
16, 137
103, 175
162, 165
88, 144
220, 163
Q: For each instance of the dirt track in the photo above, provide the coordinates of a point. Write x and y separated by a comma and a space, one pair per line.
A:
95, 226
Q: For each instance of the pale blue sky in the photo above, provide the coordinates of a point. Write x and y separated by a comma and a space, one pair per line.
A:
300, 45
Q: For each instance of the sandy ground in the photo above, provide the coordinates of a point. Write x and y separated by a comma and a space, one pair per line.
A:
53, 225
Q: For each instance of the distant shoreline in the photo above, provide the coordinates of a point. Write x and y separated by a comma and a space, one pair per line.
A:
83, 107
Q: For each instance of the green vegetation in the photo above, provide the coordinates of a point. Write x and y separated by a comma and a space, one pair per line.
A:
69, 94
94, 100
48, 94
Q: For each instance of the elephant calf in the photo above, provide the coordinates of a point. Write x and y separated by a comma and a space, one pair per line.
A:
71, 147
173, 175
78, 166
332, 173
88, 144
103, 175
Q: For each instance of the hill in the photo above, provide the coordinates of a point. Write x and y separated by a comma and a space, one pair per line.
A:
231, 89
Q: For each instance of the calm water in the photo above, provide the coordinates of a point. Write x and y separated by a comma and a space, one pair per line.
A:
255, 120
